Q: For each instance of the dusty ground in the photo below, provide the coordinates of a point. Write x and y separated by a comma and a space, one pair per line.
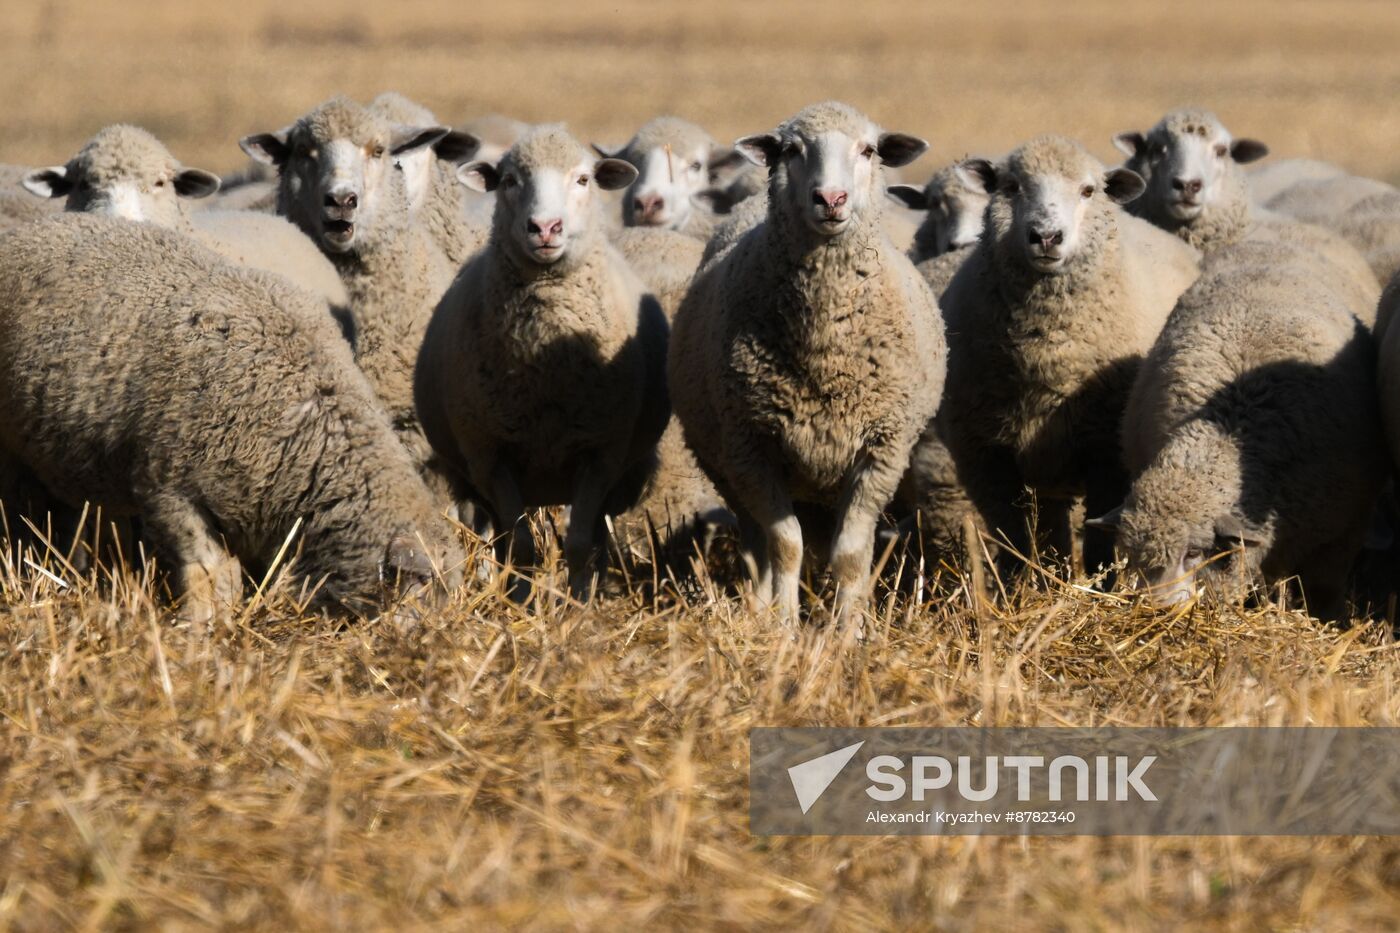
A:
587, 769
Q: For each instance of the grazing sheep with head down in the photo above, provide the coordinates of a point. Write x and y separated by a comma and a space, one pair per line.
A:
338, 182
143, 373
1047, 322
542, 378
1253, 424
126, 172
809, 355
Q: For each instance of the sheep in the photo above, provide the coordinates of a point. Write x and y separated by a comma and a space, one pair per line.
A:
143, 373
337, 181
674, 160
541, 378
808, 356
16, 209
954, 213
1196, 189
430, 179
1253, 423
1372, 226
1317, 201
125, 172
1047, 322
494, 134
1269, 179
678, 500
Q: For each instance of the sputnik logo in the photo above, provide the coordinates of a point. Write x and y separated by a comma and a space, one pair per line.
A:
811, 778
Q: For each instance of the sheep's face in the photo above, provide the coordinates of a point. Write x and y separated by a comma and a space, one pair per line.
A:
955, 211
1172, 563
674, 160
420, 566
337, 170
124, 172
1189, 160
546, 193
1045, 197
824, 165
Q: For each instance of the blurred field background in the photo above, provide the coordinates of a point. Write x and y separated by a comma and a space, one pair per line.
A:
1310, 78
587, 769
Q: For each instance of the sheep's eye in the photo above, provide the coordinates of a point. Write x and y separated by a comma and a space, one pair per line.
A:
583, 181
377, 152
1087, 191
160, 182
696, 166
868, 152
1221, 149
1195, 554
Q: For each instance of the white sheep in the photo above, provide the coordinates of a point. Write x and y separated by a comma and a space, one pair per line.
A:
1197, 189
145, 374
1253, 425
953, 213
679, 501
541, 378
338, 182
435, 198
1269, 178
1047, 322
808, 356
674, 160
125, 172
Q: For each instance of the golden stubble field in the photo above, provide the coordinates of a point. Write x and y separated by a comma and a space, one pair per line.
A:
576, 768
1310, 78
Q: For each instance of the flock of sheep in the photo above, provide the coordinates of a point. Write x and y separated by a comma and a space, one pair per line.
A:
1179, 363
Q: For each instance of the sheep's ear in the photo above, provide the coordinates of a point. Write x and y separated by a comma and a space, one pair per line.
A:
614, 174
1130, 144
1122, 185
898, 149
1244, 151
406, 139
714, 200
51, 182
196, 183
267, 148
1108, 521
761, 149
615, 152
724, 159
977, 174
1232, 528
909, 195
456, 146
479, 176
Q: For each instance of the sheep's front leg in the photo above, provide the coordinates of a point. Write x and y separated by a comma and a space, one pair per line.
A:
869, 487
208, 578
515, 549
585, 543
771, 508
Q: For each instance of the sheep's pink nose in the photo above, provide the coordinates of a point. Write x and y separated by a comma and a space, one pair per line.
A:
648, 206
829, 198
546, 228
